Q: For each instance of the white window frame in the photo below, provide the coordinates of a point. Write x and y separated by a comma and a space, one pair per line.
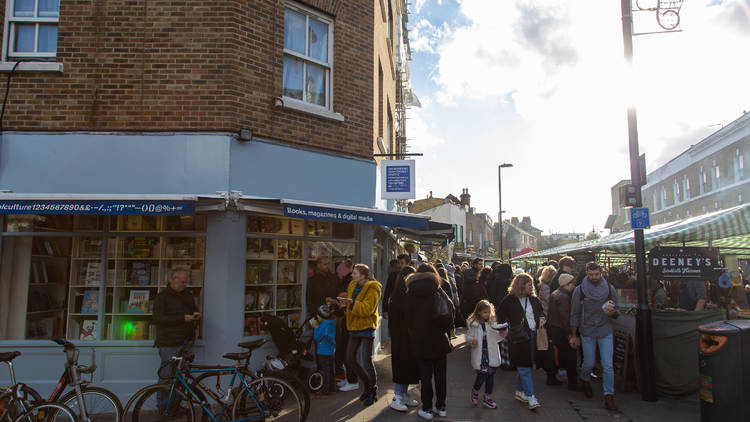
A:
9, 59
685, 187
301, 105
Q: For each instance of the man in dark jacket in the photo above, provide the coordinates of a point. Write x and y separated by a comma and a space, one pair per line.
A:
498, 286
567, 266
321, 286
176, 317
472, 273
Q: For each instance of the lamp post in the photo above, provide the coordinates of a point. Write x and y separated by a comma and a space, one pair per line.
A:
500, 203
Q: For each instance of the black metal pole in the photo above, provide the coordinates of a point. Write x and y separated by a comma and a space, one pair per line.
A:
500, 209
644, 340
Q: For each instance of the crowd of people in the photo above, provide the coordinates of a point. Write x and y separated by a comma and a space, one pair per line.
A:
512, 320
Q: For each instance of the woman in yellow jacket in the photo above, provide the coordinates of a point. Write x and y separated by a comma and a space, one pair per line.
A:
363, 296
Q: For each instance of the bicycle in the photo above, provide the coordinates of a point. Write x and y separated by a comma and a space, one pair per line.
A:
92, 404
21, 403
258, 397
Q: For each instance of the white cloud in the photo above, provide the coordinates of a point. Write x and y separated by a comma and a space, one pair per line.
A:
544, 87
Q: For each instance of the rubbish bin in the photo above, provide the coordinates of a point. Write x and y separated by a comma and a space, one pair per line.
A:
724, 374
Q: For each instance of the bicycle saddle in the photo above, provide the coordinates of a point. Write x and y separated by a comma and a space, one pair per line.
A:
250, 345
9, 356
237, 356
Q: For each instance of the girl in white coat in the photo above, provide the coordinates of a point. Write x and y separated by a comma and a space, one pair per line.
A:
483, 335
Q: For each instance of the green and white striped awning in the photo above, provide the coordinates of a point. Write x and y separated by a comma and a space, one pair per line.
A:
725, 229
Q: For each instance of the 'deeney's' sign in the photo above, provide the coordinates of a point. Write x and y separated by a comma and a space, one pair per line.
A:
683, 262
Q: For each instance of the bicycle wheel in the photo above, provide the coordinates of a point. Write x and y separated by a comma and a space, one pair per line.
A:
48, 412
13, 405
101, 404
269, 398
144, 406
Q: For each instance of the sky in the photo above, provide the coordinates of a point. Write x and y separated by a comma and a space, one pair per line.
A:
543, 85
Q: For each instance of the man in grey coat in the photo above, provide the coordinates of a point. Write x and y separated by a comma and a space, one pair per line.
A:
592, 308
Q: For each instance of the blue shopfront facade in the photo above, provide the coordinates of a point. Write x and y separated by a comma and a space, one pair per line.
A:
247, 219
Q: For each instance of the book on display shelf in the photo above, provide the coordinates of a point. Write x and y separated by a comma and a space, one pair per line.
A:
140, 330
138, 302
93, 273
90, 303
88, 329
140, 273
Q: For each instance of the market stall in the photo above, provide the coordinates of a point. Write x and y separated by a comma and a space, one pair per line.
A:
722, 237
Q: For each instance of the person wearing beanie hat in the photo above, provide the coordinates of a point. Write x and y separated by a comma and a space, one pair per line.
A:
559, 328
324, 333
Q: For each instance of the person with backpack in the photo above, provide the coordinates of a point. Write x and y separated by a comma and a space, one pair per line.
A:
474, 290
592, 309
430, 314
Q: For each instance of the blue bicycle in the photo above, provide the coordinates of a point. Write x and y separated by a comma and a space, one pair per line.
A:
247, 397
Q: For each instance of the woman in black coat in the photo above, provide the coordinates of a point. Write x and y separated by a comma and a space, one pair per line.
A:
522, 310
403, 362
429, 343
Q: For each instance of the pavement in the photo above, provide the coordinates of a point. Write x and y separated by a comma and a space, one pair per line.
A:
558, 404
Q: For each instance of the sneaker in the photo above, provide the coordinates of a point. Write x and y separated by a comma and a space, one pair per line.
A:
520, 396
488, 402
533, 403
474, 397
398, 405
424, 414
349, 387
341, 383
409, 401
440, 411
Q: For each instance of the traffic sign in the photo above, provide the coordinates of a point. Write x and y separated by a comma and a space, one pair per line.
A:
639, 218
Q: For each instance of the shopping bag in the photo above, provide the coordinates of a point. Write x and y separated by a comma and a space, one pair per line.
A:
542, 342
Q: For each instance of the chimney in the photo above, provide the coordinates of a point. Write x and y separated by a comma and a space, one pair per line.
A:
430, 194
526, 222
465, 198
514, 220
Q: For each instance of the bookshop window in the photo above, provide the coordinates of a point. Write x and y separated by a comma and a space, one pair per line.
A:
280, 256
82, 278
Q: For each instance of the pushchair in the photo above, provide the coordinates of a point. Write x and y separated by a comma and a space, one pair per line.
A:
295, 351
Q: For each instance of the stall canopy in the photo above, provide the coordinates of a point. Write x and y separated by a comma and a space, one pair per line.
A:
725, 229
436, 233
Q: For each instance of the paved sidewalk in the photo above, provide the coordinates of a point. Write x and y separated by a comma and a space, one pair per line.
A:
558, 404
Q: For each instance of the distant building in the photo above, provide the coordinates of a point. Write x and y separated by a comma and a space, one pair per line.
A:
621, 222
444, 210
521, 234
711, 175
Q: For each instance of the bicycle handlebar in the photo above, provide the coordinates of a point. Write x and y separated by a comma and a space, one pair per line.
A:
71, 352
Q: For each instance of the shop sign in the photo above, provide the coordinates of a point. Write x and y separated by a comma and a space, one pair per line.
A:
97, 207
397, 179
667, 262
354, 217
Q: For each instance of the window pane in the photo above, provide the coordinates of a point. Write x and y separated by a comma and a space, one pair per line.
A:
318, 40
292, 78
23, 8
47, 38
49, 8
24, 38
316, 85
294, 31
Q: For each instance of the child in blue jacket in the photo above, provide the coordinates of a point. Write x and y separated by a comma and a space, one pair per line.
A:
324, 333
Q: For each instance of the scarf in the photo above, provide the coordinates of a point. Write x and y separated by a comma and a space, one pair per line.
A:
598, 293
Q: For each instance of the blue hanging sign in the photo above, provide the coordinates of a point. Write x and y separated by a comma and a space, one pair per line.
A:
96, 207
639, 218
397, 179
354, 217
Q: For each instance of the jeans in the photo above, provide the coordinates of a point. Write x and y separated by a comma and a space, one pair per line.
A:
566, 354
165, 354
429, 369
401, 390
359, 358
342, 339
523, 378
488, 379
325, 364
606, 347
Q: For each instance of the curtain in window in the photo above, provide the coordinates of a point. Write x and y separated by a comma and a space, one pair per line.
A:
294, 31
23, 8
292, 78
316, 85
49, 8
318, 40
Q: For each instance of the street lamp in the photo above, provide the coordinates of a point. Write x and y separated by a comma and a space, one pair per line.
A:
500, 203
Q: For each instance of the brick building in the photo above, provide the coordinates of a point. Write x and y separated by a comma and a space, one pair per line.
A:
232, 140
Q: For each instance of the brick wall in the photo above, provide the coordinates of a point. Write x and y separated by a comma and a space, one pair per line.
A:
194, 65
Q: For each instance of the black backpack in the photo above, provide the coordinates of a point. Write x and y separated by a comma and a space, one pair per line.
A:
443, 311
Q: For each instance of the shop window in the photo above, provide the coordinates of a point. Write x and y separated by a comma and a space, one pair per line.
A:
281, 256
31, 29
93, 283
308, 64
685, 188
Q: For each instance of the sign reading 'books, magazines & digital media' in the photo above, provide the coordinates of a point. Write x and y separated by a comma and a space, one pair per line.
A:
354, 217
666, 262
397, 179
95, 207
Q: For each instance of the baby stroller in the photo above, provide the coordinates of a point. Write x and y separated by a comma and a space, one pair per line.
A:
295, 356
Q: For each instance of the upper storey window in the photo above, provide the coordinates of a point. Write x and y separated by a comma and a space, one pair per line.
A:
308, 57
31, 29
